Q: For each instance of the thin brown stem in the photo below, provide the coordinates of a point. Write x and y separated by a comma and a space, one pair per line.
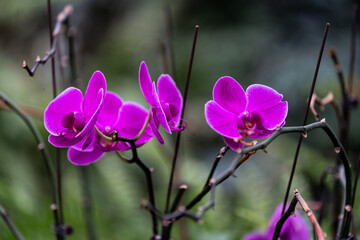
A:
177, 144
310, 214
221, 154
62, 17
353, 45
305, 116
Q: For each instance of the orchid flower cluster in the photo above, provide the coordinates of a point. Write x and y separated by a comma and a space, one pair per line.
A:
71, 119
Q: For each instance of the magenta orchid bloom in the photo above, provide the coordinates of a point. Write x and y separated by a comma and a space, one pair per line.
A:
236, 114
70, 117
294, 228
127, 118
166, 101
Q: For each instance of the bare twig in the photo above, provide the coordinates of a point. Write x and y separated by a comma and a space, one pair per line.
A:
221, 154
310, 214
62, 17
322, 102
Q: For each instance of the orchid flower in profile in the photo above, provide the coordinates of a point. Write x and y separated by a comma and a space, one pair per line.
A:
294, 228
126, 118
166, 101
236, 114
70, 117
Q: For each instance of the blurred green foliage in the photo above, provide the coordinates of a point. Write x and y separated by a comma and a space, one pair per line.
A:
269, 42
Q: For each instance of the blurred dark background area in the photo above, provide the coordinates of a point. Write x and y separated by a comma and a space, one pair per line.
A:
275, 43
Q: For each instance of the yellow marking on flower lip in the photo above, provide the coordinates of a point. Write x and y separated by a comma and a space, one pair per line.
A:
248, 125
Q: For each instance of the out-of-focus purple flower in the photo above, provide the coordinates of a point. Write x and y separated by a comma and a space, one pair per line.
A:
236, 114
70, 117
294, 228
127, 118
166, 101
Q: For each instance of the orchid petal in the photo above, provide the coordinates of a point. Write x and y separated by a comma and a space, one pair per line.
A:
110, 110
159, 113
267, 102
256, 236
170, 94
93, 118
61, 141
68, 101
229, 94
221, 120
84, 158
145, 83
154, 126
97, 82
234, 145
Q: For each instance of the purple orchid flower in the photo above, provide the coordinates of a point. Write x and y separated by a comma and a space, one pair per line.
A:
166, 102
295, 228
236, 114
127, 118
70, 117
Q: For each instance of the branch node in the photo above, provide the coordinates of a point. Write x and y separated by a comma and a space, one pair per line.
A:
304, 134
53, 207
40, 146
337, 149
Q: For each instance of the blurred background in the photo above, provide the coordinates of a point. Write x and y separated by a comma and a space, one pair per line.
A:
275, 43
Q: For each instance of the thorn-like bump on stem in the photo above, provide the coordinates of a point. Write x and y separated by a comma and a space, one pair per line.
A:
348, 208
53, 207
40, 146
337, 149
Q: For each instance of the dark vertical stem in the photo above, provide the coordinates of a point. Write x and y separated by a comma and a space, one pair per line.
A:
305, 116
72, 59
177, 144
58, 158
353, 45
283, 218
89, 219
170, 34
90, 226
51, 42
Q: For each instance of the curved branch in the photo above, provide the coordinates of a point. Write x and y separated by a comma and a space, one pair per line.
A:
247, 152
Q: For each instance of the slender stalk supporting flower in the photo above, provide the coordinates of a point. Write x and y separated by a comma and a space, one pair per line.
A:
10, 224
306, 115
135, 159
147, 171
